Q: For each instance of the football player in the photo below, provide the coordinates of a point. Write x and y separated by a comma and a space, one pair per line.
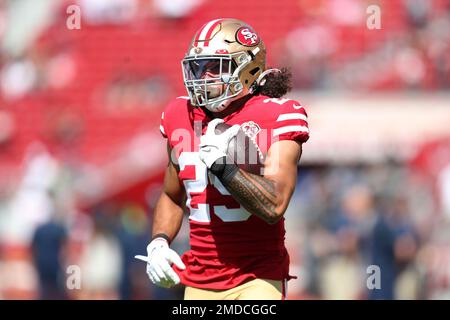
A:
237, 231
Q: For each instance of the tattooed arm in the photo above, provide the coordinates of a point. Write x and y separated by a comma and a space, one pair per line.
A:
264, 196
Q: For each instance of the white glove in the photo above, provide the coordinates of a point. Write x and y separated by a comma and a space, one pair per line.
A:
214, 146
159, 258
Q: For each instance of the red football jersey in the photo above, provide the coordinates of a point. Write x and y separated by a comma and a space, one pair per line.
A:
229, 245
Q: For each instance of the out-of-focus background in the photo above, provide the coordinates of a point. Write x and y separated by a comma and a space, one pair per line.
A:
81, 158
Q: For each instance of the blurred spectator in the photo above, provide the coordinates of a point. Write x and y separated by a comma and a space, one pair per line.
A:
133, 235
33, 202
417, 12
48, 246
101, 259
18, 77
393, 248
108, 11
355, 217
176, 8
64, 126
341, 276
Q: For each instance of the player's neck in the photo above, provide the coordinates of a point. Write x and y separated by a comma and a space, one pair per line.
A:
232, 108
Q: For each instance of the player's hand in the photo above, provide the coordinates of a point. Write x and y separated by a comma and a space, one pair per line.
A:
214, 146
159, 259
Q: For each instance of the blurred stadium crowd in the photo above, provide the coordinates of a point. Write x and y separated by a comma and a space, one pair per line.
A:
81, 158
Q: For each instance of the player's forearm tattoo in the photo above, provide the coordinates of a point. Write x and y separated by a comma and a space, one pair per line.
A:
255, 193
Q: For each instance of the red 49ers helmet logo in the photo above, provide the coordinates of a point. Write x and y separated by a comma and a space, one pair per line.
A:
247, 37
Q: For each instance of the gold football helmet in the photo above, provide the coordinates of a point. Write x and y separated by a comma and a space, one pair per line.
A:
225, 59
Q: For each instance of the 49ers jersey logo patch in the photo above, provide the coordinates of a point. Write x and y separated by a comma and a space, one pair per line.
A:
247, 37
251, 129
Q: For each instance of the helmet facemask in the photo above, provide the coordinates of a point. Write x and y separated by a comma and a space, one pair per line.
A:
213, 81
